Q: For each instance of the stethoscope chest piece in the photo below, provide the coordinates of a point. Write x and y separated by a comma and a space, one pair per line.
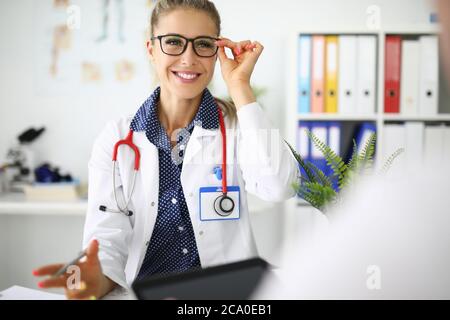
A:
224, 205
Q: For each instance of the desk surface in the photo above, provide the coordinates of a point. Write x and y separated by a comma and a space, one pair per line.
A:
16, 203
22, 293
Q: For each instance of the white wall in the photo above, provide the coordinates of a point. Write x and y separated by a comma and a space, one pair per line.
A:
73, 121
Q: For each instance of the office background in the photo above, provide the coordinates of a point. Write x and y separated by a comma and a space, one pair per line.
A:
74, 118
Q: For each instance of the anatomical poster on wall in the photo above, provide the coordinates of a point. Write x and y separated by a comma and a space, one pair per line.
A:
83, 46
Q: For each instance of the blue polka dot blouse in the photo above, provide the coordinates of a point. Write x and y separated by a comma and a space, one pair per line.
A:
172, 246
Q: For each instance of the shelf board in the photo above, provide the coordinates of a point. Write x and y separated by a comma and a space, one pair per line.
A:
399, 117
336, 117
346, 31
358, 117
416, 29
17, 204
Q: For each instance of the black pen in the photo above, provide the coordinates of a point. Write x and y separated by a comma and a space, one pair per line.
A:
63, 270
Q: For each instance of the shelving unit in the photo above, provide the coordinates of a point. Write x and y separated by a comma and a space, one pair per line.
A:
379, 118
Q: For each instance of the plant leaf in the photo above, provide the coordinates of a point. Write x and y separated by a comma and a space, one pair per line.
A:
387, 165
301, 162
316, 194
321, 177
367, 153
333, 160
351, 167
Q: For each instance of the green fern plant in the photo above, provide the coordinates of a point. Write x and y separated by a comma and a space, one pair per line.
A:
316, 188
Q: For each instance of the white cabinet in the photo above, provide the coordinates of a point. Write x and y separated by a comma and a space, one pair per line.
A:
33, 234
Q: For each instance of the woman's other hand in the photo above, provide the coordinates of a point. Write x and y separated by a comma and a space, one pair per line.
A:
89, 283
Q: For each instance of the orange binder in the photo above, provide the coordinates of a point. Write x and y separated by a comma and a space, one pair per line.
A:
318, 73
331, 73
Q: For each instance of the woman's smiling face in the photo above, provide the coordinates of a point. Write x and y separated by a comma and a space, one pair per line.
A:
187, 75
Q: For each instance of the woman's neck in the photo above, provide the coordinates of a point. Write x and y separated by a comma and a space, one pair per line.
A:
175, 113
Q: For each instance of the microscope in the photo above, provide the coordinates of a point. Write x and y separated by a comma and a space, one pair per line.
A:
18, 169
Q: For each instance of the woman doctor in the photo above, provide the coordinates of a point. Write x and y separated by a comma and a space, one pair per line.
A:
180, 214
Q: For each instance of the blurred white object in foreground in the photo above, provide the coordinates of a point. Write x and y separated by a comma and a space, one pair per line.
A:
390, 239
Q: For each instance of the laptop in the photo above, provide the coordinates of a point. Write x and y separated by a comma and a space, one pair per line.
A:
234, 281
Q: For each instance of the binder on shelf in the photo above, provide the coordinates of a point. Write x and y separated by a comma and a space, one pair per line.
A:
347, 74
409, 88
414, 145
303, 143
302, 139
429, 75
331, 73
392, 74
326, 131
334, 136
318, 73
304, 73
434, 145
394, 137
320, 130
446, 148
334, 141
365, 130
366, 74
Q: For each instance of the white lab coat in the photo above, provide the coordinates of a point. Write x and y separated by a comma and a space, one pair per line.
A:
124, 240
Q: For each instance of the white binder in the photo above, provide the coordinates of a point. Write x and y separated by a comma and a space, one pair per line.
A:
334, 137
366, 74
394, 137
429, 75
434, 145
347, 75
414, 145
320, 131
303, 140
446, 150
409, 90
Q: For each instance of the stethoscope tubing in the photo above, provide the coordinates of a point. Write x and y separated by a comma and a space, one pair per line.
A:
125, 209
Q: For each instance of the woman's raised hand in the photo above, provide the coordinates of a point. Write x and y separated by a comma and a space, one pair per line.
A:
237, 71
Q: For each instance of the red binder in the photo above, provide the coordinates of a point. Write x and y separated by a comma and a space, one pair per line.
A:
392, 71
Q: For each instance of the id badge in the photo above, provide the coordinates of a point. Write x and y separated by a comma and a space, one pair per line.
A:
209, 199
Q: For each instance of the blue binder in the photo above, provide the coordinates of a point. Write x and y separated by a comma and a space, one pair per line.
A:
303, 143
334, 141
304, 73
363, 134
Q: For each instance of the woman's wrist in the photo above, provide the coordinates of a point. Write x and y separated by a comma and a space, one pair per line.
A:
241, 94
106, 287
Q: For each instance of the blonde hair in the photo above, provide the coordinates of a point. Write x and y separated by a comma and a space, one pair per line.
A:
164, 7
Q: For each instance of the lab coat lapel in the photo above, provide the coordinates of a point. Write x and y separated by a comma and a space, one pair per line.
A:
149, 180
199, 139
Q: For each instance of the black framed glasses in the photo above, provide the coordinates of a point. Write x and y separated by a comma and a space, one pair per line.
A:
176, 45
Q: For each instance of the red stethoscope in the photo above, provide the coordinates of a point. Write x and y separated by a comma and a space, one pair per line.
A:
223, 204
